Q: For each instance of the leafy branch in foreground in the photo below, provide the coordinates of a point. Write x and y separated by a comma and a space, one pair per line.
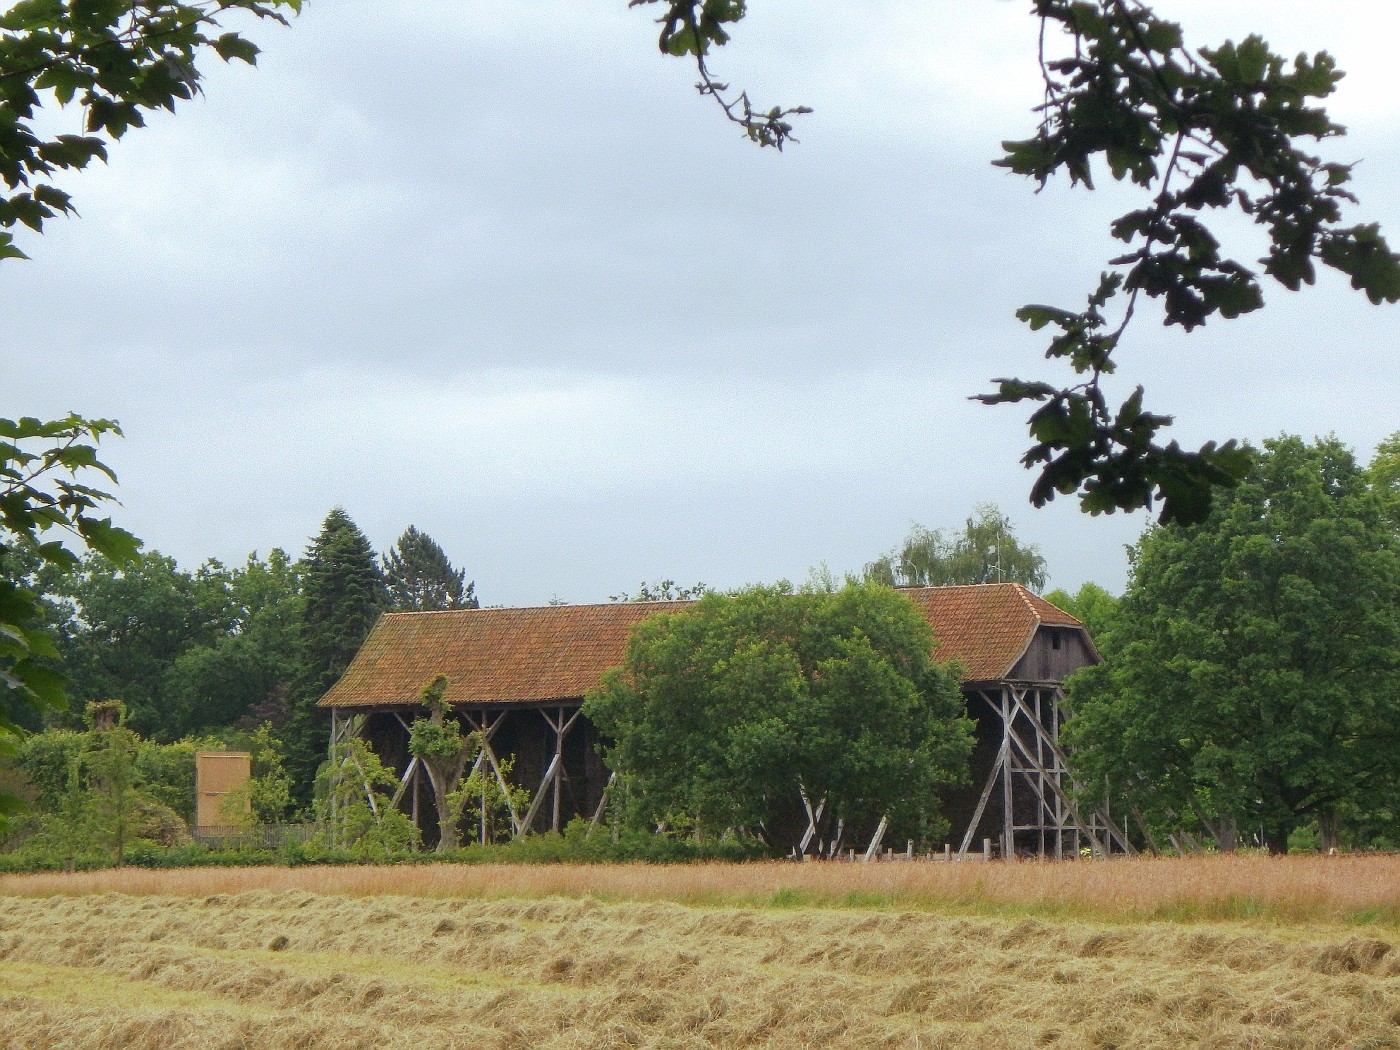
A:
1207, 133
40, 493
692, 27
117, 59
1210, 132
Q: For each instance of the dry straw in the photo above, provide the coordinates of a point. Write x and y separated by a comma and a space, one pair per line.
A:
452, 968
1311, 888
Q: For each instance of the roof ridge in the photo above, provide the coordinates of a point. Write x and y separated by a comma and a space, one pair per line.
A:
1019, 587
538, 608
1026, 599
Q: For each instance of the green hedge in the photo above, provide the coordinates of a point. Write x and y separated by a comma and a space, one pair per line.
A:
576, 846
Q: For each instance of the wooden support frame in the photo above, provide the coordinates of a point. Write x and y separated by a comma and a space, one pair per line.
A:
814, 816
551, 785
993, 778
485, 724
545, 783
1061, 768
602, 802
1030, 761
343, 730
873, 850
558, 790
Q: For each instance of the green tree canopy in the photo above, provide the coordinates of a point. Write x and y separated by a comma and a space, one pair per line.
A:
985, 551
118, 61
1091, 605
667, 590
420, 577
439, 743
723, 715
46, 501
130, 623
1384, 472
243, 676
1254, 664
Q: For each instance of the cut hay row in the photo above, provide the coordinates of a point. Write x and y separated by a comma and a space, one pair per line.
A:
1312, 888
295, 969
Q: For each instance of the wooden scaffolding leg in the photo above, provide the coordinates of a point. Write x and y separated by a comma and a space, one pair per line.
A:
602, 802
1008, 806
814, 817
561, 723
486, 726
992, 780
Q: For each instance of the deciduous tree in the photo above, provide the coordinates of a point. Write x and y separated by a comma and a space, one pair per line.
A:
439, 743
723, 715
1091, 605
666, 591
117, 60
131, 623
45, 499
113, 63
986, 551
245, 675
1384, 472
1254, 665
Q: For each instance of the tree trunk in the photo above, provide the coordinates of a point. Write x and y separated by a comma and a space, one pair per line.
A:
1228, 835
1225, 831
448, 836
1327, 826
1276, 838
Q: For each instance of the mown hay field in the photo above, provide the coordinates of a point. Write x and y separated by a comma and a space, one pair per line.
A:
1207, 952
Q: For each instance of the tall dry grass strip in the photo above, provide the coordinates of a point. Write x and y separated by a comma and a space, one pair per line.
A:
292, 969
1310, 888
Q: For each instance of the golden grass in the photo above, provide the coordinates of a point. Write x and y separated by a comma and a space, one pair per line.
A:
1289, 889
350, 970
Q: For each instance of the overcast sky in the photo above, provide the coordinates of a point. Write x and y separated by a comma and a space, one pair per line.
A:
495, 270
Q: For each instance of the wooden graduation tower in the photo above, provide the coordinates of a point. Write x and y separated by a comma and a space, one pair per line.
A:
518, 677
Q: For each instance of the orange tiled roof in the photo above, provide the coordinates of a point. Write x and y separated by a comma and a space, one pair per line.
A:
986, 628
560, 652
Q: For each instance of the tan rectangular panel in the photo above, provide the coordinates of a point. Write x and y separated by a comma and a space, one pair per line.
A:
216, 773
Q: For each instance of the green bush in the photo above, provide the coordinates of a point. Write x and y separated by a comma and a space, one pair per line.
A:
166, 773
45, 759
579, 844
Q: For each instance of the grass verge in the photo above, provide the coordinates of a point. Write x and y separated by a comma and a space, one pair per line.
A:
1349, 889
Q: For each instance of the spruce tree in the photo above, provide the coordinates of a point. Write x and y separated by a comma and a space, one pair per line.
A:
420, 577
343, 593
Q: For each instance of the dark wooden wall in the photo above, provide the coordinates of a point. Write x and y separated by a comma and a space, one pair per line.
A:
1054, 654
525, 739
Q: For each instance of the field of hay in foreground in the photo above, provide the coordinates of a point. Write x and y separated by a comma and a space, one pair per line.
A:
779, 956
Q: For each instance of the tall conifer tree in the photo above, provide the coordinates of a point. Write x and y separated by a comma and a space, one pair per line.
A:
420, 577
343, 593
